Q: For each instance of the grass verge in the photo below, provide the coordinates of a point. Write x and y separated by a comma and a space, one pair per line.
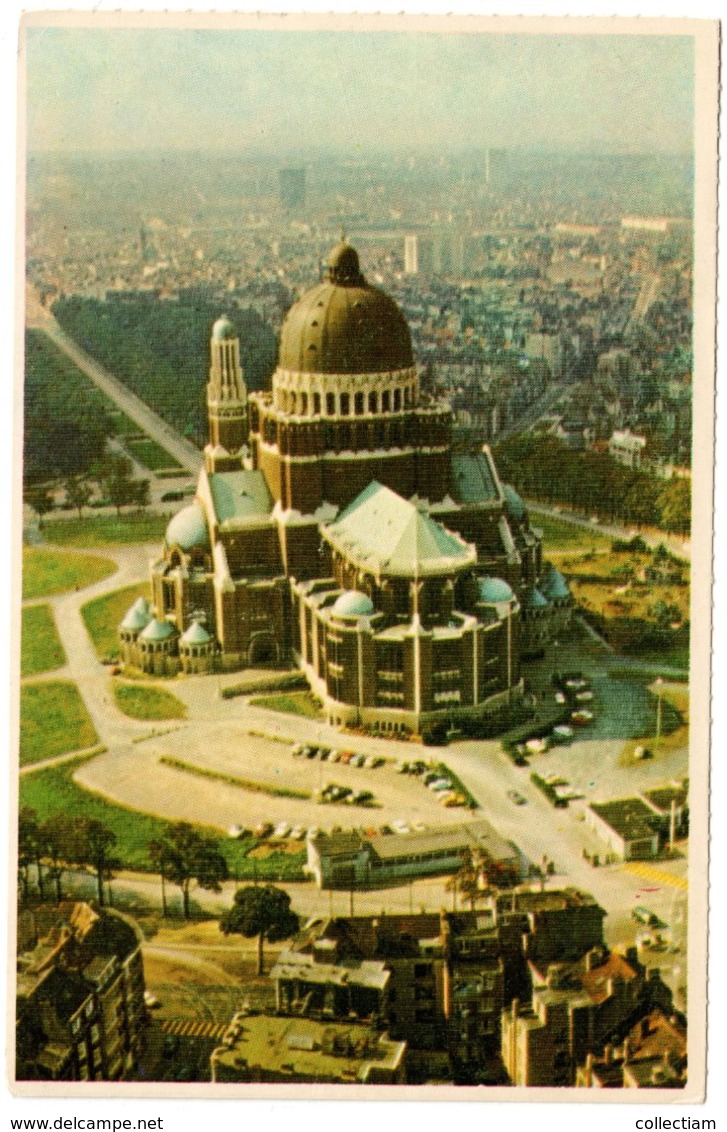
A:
40, 646
296, 703
107, 530
559, 534
53, 721
103, 615
233, 780
140, 701
151, 454
50, 572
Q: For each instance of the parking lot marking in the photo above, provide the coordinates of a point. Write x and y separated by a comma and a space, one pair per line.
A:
648, 872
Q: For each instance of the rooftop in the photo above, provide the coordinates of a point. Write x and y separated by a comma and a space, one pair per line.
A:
386, 534
630, 818
262, 1046
240, 497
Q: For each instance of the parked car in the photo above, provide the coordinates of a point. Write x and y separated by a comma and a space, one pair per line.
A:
517, 798
644, 916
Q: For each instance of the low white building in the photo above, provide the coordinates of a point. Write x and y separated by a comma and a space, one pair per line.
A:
627, 448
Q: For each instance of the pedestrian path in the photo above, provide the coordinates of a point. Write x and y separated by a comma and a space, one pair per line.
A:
658, 876
184, 1028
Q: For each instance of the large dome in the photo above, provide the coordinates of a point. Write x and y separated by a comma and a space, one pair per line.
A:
344, 325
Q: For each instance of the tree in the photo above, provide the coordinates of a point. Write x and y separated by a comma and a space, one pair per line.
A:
263, 911
95, 842
78, 492
40, 499
188, 855
675, 506
28, 849
58, 838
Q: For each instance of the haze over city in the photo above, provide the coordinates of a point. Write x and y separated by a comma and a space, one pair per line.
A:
123, 89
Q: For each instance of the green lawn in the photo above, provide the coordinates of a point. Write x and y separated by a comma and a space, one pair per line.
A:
107, 530
53, 721
53, 790
49, 572
103, 615
142, 701
558, 534
151, 454
40, 646
123, 425
297, 703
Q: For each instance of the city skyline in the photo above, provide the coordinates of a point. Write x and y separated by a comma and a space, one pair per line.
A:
251, 90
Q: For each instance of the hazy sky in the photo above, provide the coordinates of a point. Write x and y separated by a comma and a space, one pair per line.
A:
125, 89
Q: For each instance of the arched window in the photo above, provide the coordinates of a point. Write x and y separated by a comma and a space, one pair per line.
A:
373, 401
358, 404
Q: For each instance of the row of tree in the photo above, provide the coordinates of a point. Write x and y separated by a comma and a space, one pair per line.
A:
112, 478
546, 469
65, 425
160, 349
183, 855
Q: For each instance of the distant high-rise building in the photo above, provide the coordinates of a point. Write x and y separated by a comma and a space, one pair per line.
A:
292, 187
411, 255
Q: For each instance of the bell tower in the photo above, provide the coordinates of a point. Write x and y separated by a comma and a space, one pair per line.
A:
226, 400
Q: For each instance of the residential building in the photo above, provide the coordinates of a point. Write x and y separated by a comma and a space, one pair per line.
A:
576, 1010
653, 1055
283, 1050
80, 1013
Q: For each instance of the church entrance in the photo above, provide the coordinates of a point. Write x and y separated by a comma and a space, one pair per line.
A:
263, 650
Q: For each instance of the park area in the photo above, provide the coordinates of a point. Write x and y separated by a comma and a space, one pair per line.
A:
104, 614
47, 572
40, 646
53, 721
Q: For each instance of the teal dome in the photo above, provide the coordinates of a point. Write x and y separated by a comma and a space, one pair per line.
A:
352, 603
494, 591
188, 528
513, 503
223, 330
533, 599
553, 585
157, 631
138, 617
196, 634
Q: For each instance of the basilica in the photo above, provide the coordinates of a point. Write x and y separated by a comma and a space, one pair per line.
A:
337, 526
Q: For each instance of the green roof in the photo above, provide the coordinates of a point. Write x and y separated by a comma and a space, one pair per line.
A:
386, 534
240, 496
196, 634
473, 480
157, 631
